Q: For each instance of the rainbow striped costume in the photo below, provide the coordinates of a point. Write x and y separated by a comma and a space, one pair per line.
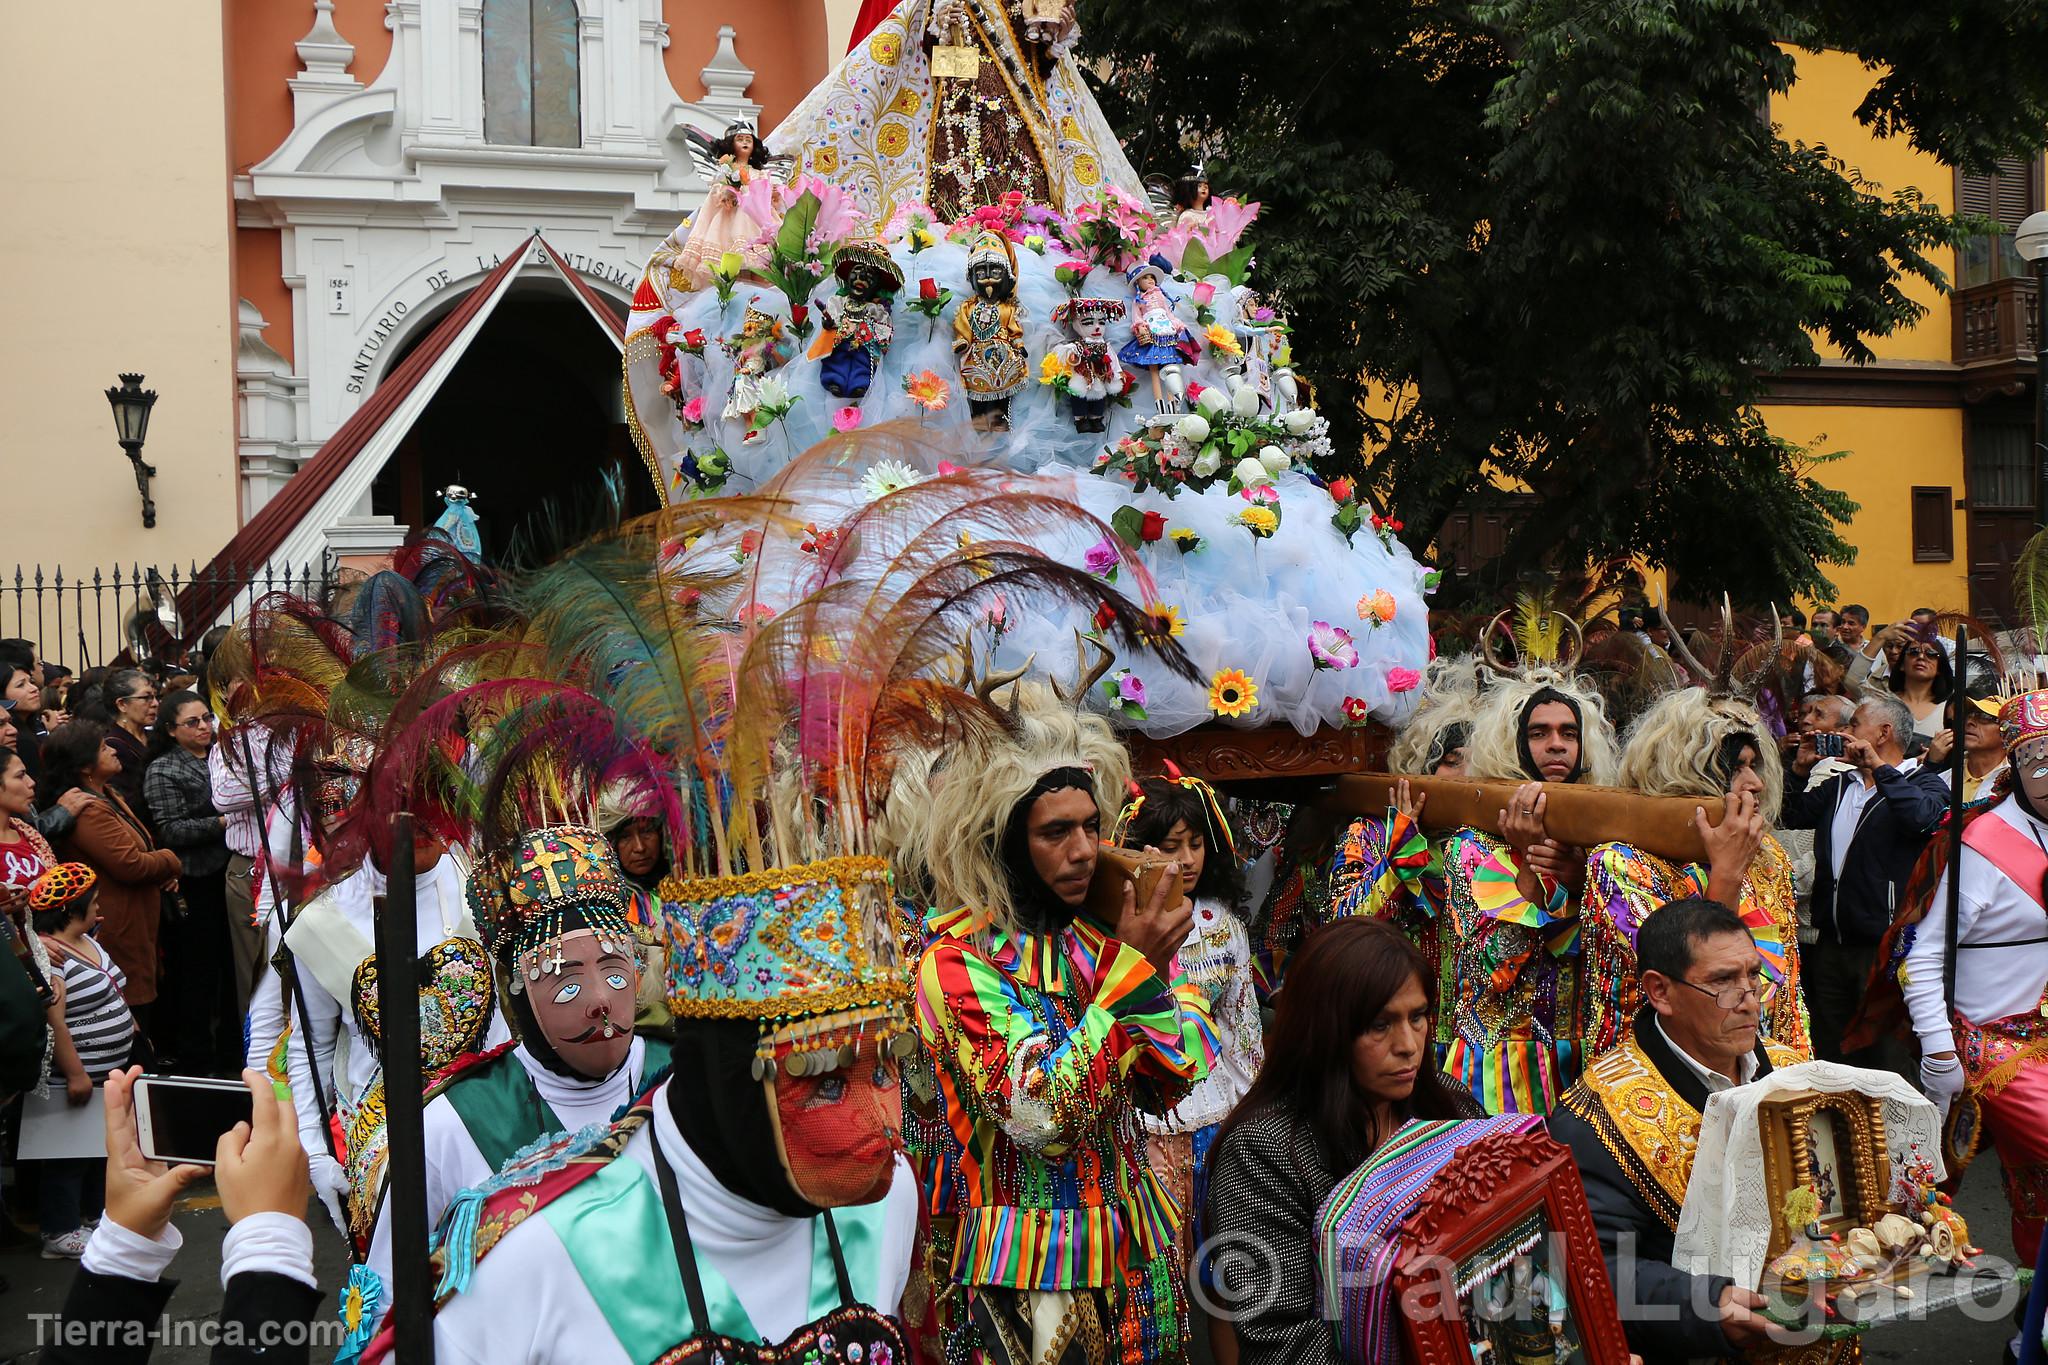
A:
1046, 1045
1624, 885
1386, 869
1512, 978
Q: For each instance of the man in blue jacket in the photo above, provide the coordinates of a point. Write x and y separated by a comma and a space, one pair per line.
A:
1869, 826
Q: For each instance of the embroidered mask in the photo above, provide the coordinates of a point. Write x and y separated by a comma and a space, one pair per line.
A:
838, 1130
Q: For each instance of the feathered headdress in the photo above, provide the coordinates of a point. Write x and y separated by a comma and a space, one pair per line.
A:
1543, 636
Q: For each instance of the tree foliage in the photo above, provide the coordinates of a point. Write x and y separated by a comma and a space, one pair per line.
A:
1557, 242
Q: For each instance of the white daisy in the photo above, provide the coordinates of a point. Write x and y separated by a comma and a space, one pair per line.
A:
887, 476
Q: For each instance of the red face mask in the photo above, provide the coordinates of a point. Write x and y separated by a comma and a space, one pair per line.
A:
839, 1132
586, 1009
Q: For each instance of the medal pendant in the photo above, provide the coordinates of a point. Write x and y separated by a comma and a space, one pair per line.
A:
954, 61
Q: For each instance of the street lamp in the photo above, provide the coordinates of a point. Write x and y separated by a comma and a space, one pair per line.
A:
131, 403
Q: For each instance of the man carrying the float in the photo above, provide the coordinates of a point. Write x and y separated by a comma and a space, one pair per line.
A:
1050, 1028
1386, 868
1713, 749
1633, 1122
552, 911
1512, 949
1984, 1053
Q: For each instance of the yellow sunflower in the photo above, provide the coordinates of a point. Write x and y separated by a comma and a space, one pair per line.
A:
1231, 693
1163, 622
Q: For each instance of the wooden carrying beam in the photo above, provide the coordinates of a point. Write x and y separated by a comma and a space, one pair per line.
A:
1573, 814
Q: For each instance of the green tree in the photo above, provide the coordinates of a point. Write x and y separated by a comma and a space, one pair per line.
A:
1557, 242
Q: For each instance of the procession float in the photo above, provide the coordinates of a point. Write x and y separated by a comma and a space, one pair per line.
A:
943, 253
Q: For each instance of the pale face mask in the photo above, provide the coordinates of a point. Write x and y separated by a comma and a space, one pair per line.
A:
2030, 770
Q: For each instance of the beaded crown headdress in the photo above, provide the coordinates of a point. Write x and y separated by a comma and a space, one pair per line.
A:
526, 898
1085, 309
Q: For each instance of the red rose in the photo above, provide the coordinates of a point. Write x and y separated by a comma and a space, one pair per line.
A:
1152, 527
1195, 391
1398, 526
694, 338
750, 541
1104, 616
798, 312
1341, 489
928, 289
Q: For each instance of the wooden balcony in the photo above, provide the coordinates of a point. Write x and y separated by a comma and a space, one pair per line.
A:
1995, 335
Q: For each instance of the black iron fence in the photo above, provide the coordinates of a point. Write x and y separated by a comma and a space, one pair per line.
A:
85, 617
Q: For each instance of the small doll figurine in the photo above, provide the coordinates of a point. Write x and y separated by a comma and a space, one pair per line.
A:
761, 345
1047, 21
1191, 198
988, 333
720, 226
857, 326
1266, 364
459, 523
1159, 340
1092, 373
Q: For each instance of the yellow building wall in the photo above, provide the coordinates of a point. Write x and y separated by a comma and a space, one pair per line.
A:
115, 248
1819, 111
1890, 450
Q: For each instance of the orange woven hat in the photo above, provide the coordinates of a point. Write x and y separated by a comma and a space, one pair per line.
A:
61, 885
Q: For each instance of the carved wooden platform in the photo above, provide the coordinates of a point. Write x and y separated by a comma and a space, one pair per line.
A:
1225, 754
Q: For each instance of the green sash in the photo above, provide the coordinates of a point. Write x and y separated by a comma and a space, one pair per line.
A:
616, 1233
501, 1110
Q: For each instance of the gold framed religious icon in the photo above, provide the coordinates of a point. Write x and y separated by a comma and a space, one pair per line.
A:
1831, 1144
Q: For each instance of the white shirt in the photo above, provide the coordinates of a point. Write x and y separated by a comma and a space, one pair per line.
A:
1856, 794
454, 1163
1991, 983
528, 1304
1217, 959
1715, 1081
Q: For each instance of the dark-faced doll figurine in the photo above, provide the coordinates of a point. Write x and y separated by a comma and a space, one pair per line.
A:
1160, 341
988, 333
1091, 371
857, 323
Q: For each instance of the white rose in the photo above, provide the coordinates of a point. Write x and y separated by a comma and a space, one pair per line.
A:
1194, 428
1245, 402
1208, 462
1251, 472
774, 392
1298, 421
1213, 401
1274, 459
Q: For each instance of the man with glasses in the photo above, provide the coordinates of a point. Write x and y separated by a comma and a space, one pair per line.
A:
1633, 1119
1869, 825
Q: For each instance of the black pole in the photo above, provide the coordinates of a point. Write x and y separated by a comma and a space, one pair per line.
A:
2040, 392
1958, 699
405, 1163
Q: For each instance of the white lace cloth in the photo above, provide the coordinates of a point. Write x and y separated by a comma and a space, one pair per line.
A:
1724, 1227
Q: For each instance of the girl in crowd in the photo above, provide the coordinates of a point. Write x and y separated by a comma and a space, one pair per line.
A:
23, 701
1348, 1061
96, 1035
1181, 818
111, 838
205, 1036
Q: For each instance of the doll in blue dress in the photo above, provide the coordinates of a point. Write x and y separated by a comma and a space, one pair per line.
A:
1160, 341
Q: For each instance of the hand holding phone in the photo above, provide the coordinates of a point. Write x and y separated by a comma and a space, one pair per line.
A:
140, 1192
261, 1166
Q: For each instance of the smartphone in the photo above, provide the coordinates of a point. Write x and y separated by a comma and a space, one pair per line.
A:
181, 1118
1829, 746
1116, 868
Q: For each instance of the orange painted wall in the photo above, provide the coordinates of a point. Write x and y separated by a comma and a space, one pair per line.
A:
784, 41
259, 278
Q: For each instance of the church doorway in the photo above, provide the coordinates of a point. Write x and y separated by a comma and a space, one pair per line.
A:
530, 420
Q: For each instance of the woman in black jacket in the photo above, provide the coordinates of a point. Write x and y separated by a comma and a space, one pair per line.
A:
1349, 1059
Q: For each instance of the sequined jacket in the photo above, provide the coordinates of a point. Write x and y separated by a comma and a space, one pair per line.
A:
1386, 869
1046, 1045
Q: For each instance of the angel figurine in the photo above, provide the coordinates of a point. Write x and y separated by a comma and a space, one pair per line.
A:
1159, 340
988, 333
1190, 198
761, 345
857, 325
729, 163
458, 521
1089, 372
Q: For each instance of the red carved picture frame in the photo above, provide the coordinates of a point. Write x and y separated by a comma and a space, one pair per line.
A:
1488, 1189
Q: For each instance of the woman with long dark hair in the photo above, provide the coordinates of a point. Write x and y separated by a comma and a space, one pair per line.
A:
206, 1035
79, 770
1348, 1061
1923, 678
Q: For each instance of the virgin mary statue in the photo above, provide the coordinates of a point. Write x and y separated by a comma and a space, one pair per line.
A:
954, 103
